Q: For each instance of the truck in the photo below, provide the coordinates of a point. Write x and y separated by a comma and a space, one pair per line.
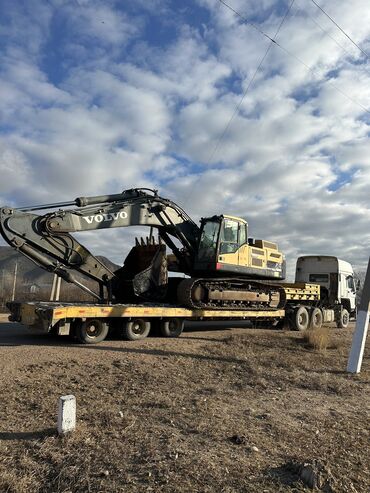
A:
91, 322
229, 275
337, 281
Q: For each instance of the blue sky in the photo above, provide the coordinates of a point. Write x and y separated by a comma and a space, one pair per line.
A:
99, 96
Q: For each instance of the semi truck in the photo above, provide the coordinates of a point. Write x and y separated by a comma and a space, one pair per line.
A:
229, 275
337, 281
323, 291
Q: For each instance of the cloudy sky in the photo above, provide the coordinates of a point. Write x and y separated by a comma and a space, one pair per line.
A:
97, 96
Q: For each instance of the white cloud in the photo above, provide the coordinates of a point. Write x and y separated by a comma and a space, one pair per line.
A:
144, 91
14, 170
98, 21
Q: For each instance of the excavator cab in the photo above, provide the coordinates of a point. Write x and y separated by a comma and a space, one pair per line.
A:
224, 249
220, 235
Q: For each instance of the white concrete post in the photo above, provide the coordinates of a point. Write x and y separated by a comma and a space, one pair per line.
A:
66, 414
359, 337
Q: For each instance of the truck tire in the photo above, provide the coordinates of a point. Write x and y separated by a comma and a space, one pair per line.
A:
136, 329
172, 327
91, 331
343, 321
316, 318
301, 319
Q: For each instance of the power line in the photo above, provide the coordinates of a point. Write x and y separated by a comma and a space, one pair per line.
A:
329, 35
236, 110
328, 81
288, 52
342, 30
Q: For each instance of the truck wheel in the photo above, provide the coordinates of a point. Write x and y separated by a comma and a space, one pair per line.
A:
343, 321
316, 319
92, 331
172, 327
136, 329
301, 319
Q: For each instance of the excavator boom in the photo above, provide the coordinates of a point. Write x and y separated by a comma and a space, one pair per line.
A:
46, 239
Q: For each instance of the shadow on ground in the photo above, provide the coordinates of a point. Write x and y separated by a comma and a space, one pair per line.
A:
27, 435
14, 334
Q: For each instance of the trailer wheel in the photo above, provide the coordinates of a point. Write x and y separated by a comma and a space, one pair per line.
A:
171, 327
343, 321
301, 318
316, 319
136, 329
92, 331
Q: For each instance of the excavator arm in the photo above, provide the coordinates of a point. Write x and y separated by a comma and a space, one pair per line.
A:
47, 241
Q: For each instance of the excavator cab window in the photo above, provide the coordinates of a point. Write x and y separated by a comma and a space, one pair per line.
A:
208, 241
233, 235
229, 236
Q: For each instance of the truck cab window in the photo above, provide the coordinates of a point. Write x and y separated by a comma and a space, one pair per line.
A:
319, 278
350, 283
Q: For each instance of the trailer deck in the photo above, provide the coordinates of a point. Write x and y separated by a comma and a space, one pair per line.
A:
45, 315
91, 322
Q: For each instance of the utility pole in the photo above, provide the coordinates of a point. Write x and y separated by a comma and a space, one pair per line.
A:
15, 279
2, 290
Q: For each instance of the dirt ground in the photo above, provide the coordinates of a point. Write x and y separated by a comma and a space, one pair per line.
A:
217, 410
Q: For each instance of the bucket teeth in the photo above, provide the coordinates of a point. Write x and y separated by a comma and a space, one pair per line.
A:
148, 241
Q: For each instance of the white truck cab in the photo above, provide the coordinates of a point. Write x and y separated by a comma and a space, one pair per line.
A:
337, 279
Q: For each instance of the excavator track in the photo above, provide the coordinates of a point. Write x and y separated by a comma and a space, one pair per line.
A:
230, 294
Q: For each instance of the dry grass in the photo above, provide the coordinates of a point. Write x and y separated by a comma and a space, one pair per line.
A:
159, 415
318, 339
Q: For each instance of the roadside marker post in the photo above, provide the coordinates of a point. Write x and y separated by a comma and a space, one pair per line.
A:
66, 414
359, 336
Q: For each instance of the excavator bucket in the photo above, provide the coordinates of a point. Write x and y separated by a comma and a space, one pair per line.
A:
144, 273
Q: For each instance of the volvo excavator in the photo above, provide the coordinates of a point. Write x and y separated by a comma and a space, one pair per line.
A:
225, 268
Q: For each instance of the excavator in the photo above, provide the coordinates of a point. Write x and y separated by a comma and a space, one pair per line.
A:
225, 269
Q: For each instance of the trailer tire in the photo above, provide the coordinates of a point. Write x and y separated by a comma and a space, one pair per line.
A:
301, 319
136, 329
91, 331
316, 318
343, 321
172, 327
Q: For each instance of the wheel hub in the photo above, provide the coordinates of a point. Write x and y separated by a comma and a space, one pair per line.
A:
137, 328
92, 330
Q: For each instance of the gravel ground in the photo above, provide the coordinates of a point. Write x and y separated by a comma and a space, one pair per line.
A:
217, 410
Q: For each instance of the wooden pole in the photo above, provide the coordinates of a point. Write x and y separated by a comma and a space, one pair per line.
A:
14, 280
57, 288
359, 336
2, 289
53, 288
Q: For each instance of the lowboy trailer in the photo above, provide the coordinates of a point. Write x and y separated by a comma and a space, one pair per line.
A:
91, 323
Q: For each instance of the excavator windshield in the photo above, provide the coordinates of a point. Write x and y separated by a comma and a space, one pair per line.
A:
208, 241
